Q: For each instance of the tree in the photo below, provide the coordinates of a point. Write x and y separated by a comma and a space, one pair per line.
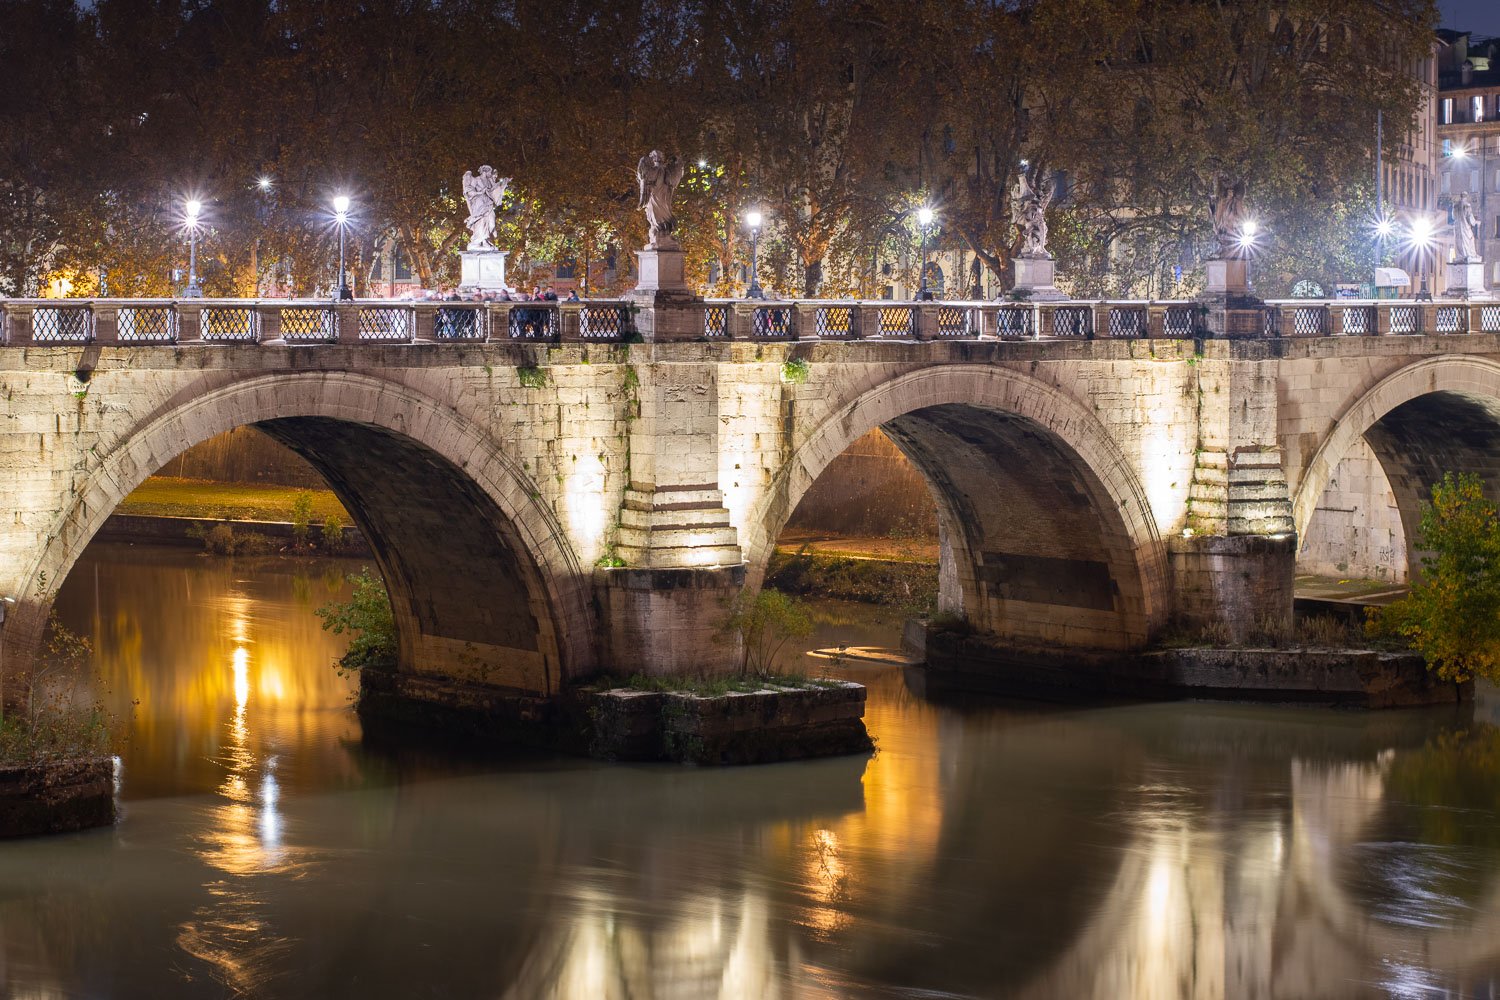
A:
764, 624
1452, 615
1281, 93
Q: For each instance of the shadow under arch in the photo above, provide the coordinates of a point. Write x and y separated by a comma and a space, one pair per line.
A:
1048, 533
1437, 415
481, 576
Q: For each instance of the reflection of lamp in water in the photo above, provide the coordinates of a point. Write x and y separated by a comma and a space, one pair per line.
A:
241, 683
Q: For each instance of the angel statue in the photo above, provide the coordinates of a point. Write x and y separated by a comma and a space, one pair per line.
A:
1227, 205
1028, 212
483, 194
1464, 249
659, 176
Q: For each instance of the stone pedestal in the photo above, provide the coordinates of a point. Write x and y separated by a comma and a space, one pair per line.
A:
1466, 280
1035, 279
660, 270
1228, 277
1232, 310
666, 308
483, 270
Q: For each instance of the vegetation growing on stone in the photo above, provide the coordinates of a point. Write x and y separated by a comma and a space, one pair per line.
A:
63, 719
764, 624
366, 617
532, 377
1452, 615
223, 540
795, 371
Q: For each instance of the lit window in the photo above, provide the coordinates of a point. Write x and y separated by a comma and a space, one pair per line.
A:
1447, 147
1446, 114
1476, 107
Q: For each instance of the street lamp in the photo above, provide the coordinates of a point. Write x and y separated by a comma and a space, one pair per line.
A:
193, 208
924, 219
341, 216
753, 220
1421, 239
264, 183
1248, 231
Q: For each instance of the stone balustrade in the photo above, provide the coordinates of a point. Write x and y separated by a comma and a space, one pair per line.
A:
129, 322
121, 322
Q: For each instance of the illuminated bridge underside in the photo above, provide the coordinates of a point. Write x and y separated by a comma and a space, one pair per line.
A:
1038, 551
451, 561
1090, 491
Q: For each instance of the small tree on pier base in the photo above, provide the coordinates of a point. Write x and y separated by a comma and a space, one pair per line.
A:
1452, 615
764, 623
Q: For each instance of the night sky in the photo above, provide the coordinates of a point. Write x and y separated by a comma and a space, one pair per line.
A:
1479, 16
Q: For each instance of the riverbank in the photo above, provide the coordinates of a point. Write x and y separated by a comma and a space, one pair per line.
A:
907, 584
231, 537
168, 496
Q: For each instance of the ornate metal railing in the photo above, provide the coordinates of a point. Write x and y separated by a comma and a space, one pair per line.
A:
146, 322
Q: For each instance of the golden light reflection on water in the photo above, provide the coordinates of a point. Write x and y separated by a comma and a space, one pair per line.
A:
243, 843
1088, 853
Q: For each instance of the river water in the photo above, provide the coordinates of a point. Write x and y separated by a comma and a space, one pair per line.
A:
986, 850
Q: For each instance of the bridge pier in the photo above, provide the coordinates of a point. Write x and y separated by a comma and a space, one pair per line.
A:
1239, 584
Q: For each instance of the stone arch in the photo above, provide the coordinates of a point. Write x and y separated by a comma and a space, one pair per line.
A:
1434, 415
974, 431
440, 502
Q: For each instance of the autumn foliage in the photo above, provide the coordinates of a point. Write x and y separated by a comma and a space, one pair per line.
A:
1452, 615
837, 118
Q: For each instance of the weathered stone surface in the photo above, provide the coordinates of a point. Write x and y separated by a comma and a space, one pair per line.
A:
736, 728
1355, 678
623, 724
57, 797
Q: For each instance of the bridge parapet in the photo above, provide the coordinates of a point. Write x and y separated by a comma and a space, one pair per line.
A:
298, 322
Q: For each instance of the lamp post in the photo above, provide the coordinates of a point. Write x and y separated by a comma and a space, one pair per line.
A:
924, 219
193, 208
341, 216
1421, 240
753, 219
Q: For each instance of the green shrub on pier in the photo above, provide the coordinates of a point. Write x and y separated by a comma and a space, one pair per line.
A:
62, 720
366, 617
1452, 615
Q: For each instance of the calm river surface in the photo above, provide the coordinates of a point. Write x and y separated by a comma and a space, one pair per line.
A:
1141, 851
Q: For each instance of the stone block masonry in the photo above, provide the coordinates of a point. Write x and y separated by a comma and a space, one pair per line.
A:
546, 512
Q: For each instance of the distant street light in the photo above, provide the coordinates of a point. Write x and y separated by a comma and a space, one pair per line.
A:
341, 216
1420, 238
924, 219
753, 220
192, 209
264, 183
1248, 230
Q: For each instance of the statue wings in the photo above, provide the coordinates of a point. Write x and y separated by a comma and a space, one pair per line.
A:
645, 174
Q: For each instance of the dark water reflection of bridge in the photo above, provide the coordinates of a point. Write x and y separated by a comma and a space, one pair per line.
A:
1130, 851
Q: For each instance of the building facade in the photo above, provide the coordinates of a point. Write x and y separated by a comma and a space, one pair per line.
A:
1467, 129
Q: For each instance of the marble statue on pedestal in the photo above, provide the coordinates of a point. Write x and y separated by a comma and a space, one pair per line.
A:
1028, 212
483, 194
1227, 205
1464, 248
659, 176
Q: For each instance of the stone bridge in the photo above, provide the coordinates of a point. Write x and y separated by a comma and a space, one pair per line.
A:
548, 499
